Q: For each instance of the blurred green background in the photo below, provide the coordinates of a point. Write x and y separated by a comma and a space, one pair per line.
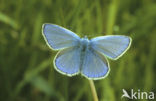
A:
26, 68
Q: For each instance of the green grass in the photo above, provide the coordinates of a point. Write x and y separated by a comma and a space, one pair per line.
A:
26, 67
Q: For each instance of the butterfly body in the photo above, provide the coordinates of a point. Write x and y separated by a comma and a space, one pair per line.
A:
81, 55
84, 46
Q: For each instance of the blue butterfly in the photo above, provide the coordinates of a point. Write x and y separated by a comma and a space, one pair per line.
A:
80, 55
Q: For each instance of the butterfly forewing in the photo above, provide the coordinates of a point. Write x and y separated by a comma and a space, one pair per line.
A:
58, 37
112, 46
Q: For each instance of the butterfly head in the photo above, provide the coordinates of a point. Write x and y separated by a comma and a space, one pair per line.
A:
85, 37
85, 40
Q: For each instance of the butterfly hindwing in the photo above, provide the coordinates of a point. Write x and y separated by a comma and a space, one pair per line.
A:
112, 46
58, 37
95, 65
67, 61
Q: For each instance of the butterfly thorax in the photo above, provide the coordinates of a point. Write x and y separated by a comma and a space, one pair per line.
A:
84, 43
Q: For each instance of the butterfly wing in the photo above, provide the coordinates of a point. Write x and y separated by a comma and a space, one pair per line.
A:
67, 61
95, 65
58, 37
112, 46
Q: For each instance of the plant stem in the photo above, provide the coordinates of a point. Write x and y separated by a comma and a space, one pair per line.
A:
93, 89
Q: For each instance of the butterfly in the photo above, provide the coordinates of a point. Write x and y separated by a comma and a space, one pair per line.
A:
81, 55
